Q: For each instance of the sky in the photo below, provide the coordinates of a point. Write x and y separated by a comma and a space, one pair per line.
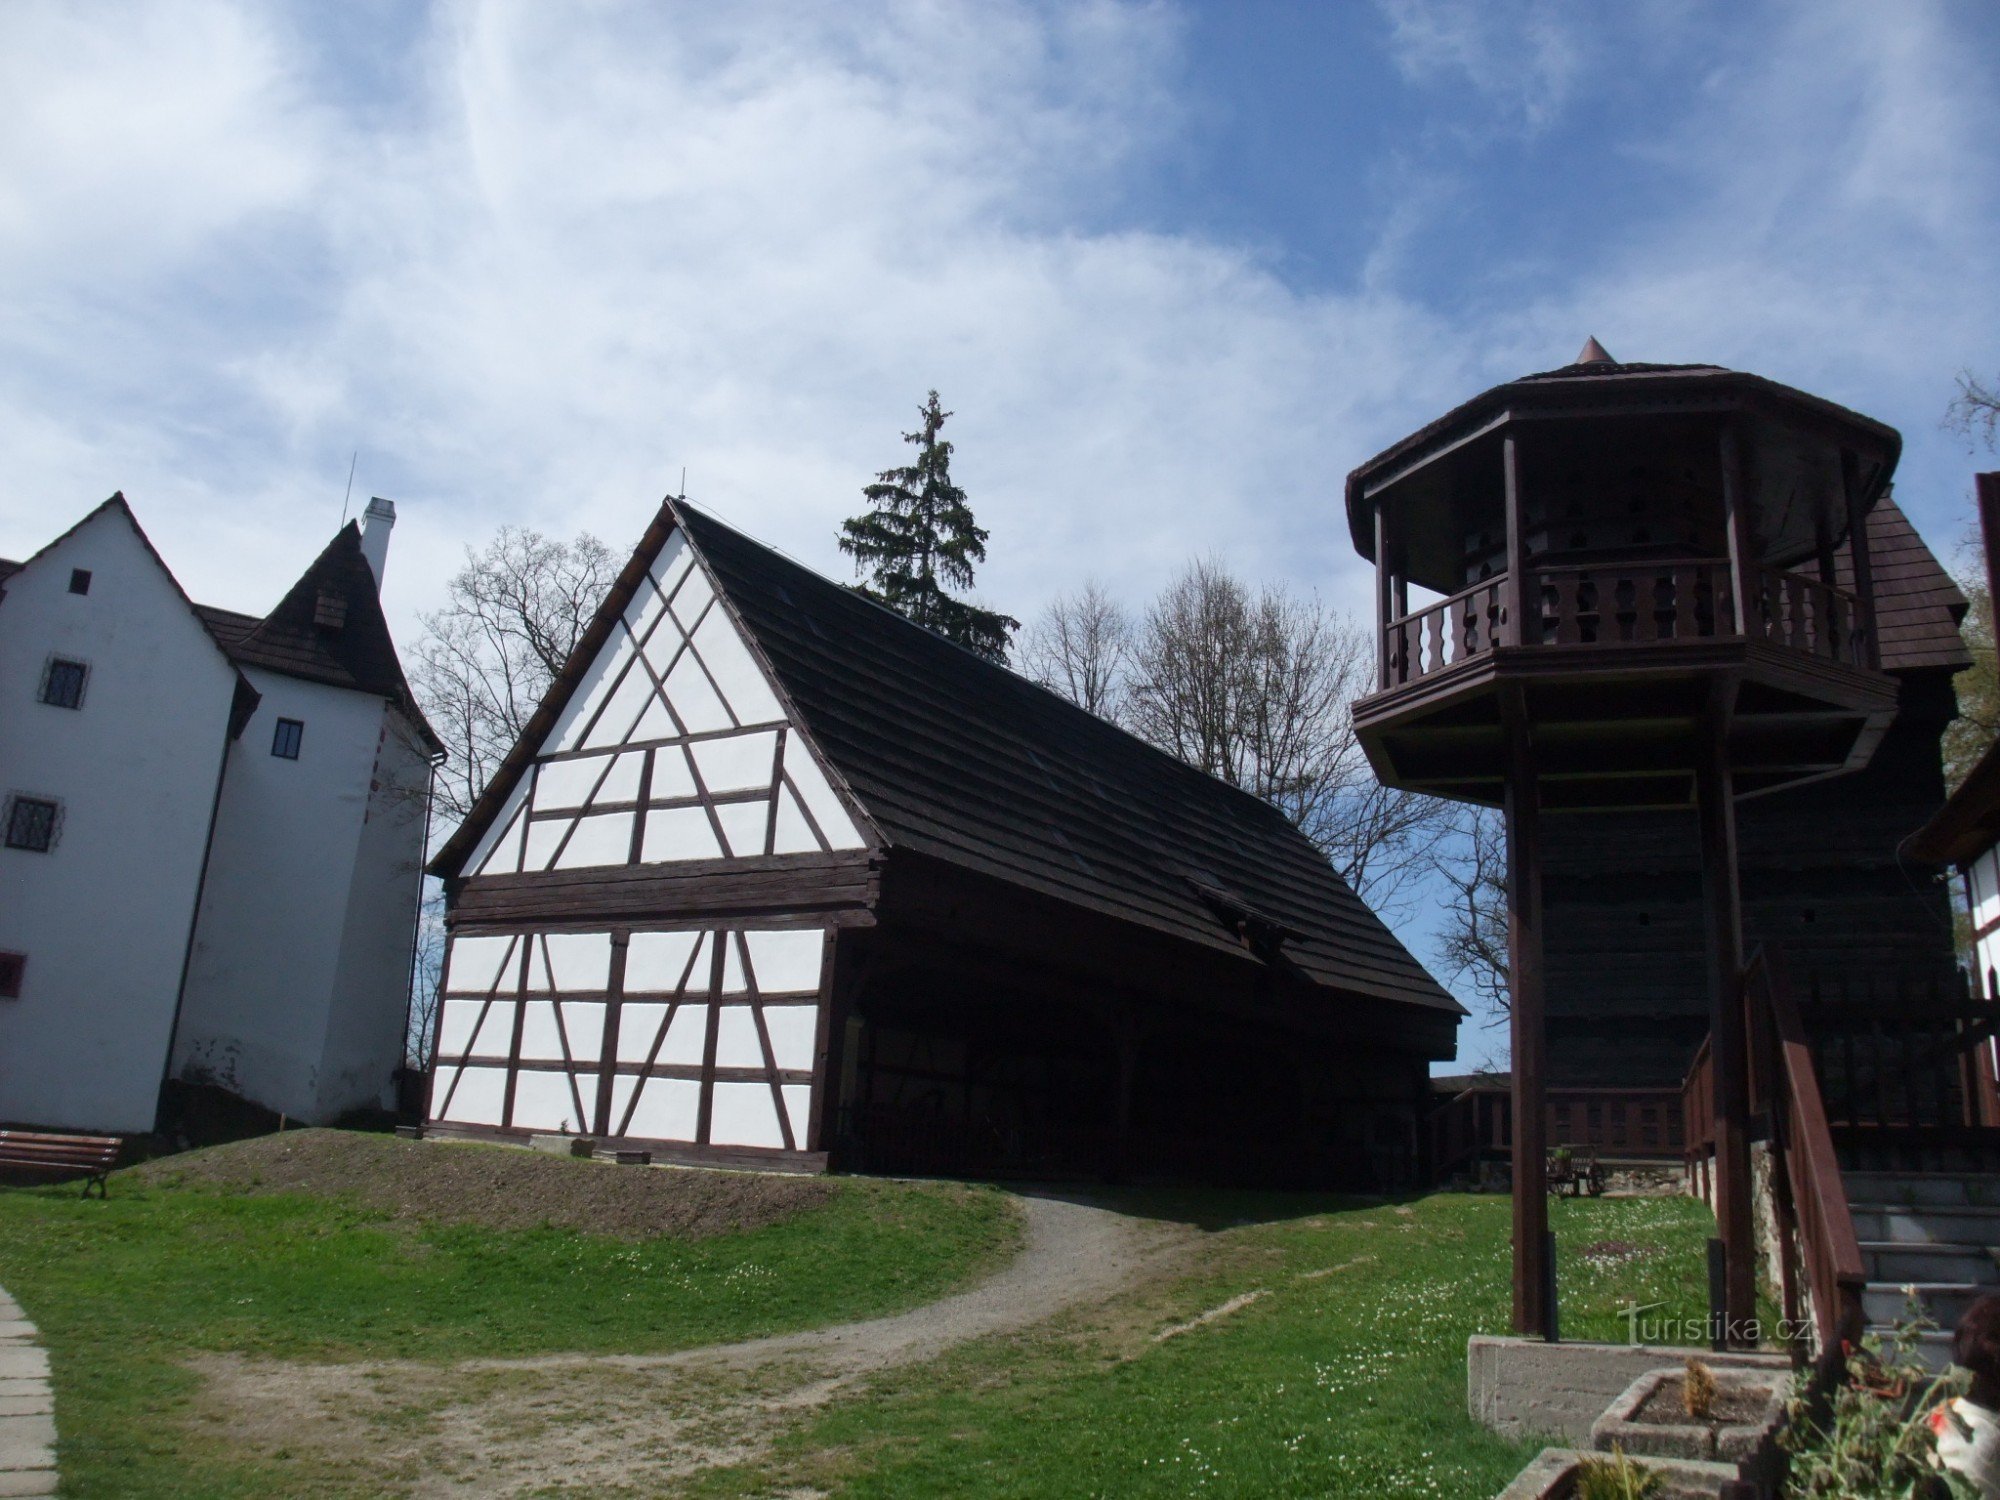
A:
1175, 267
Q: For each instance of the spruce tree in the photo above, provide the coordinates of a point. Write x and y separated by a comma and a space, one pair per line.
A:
920, 538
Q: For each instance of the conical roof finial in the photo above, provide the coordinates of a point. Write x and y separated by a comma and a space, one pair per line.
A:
1593, 354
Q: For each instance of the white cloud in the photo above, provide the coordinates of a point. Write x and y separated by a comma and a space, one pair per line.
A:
1525, 58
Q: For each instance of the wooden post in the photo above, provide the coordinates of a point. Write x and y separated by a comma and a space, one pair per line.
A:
1728, 1054
1988, 488
1736, 524
1857, 549
1517, 592
1382, 595
1534, 1313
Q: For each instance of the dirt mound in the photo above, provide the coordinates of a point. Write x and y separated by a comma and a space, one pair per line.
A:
494, 1187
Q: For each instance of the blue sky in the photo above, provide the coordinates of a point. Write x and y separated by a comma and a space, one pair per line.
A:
1177, 267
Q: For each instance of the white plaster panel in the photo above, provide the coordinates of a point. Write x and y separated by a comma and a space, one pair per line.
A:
743, 1114
455, 1027
798, 1107
499, 852
638, 1027
622, 785
476, 964
694, 700
793, 1029
737, 762
786, 960
671, 777
736, 1044
645, 607
687, 1038
601, 839
546, 1101
478, 1097
678, 833
540, 1041
579, 961
732, 968
655, 961
794, 834
583, 1020
691, 598
736, 671
671, 565
667, 1109
495, 1037
543, 836
597, 681
744, 825
654, 724
819, 797
567, 783
628, 701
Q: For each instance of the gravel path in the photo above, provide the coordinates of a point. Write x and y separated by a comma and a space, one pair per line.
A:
1077, 1252
645, 1422
27, 1407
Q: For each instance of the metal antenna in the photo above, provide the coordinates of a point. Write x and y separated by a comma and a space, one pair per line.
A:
344, 499
684, 484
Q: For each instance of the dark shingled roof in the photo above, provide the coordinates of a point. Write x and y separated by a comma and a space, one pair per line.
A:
1917, 606
329, 628
962, 760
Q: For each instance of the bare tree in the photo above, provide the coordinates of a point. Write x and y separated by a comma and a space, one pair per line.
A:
1254, 689
1081, 647
512, 616
1471, 945
427, 982
1975, 410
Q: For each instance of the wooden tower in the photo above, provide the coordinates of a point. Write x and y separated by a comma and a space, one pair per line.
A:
1625, 598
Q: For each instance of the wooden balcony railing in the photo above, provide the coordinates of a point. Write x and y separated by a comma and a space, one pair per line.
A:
1684, 599
1468, 624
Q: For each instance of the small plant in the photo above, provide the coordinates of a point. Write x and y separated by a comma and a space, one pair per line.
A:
1699, 1390
1614, 1478
1873, 1439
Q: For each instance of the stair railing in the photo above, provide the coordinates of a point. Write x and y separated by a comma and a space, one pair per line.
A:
1815, 1227
1811, 1197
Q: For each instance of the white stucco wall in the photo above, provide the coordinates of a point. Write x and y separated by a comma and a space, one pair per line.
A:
104, 917
297, 990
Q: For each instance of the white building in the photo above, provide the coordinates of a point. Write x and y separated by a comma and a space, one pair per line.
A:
210, 836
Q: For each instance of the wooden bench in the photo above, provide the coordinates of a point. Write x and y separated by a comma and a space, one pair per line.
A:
90, 1157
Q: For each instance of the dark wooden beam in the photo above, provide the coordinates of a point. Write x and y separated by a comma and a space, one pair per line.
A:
1382, 594
1517, 593
1988, 487
1728, 1045
698, 889
1857, 549
1534, 1313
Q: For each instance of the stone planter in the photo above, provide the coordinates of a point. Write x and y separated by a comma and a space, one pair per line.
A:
1552, 1476
1649, 1418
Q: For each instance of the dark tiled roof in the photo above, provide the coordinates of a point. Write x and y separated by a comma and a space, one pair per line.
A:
328, 628
226, 625
1917, 606
962, 760
8, 568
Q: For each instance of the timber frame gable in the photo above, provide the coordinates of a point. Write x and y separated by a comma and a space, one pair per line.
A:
759, 823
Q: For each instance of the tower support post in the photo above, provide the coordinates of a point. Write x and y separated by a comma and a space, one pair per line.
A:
1534, 1281
1728, 1041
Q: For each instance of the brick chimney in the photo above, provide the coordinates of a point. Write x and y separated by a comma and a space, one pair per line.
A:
376, 523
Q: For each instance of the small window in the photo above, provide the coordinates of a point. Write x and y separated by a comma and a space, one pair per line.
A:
62, 683
32, 823
79, 580
13, 967
285, 739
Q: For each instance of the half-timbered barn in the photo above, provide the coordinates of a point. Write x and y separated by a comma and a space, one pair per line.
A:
775, 875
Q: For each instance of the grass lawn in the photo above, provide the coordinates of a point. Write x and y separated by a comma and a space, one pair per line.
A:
125, 1290
1345, 1376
